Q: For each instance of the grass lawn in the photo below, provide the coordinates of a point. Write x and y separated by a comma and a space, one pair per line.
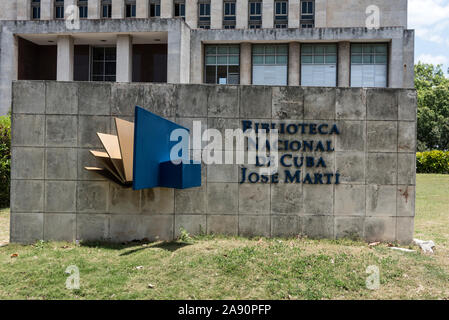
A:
236, 268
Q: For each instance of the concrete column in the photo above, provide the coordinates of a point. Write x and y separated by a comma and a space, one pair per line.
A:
94, 9
167, 9
293, 13
395, 67
196, 60
267, 14
192, 13
124, 58
8, 68
242, 14
23, 9
409, 57
118, 9
142, 8
344, 64
64, 67
216, 14
178, 68
47, 9
320, 13
245, 63
69, 4
293, 64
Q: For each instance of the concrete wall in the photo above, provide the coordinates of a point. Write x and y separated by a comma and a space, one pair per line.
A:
329, 13
352, 13
8, 66
53, 197
8, 10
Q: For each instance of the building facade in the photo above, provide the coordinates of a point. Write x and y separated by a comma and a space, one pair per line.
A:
343, 64
332, 43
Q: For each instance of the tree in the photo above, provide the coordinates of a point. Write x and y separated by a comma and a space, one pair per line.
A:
5, 159
433, 107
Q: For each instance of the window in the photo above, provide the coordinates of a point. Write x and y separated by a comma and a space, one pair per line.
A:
155, 8
280, 14
82, 5
59, 9
36, 9
319, 65
106, 9
130, 8
229, 16
307, 14
204, 14
369, 65
103, 64
255, 14
180, 8
222, 64
270, 64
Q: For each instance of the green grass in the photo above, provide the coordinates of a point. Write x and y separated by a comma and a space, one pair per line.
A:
432, 207
212, 267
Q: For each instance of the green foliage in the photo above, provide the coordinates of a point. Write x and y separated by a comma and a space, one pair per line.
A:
433, 107
435, 161
5, 159
184, 236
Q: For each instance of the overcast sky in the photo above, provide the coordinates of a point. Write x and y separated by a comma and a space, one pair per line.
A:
430, 19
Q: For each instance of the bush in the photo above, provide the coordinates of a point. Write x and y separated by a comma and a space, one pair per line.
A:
435, 161
5, 159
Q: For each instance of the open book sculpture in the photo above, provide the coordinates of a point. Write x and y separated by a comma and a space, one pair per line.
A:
139, 155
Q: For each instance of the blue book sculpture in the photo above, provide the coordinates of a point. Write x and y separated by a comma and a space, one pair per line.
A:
152, 146
140, 154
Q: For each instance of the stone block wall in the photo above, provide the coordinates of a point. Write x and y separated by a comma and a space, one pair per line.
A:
54, 126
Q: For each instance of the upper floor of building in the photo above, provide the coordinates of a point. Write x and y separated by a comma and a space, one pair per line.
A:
221, 14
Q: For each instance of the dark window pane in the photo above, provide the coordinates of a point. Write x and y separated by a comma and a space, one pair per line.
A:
210, 74
98, 68
222, 74
81, 63
110, 53
110, 68
234, 69
98, 53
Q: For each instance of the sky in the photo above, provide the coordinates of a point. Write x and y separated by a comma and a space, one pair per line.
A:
430, 19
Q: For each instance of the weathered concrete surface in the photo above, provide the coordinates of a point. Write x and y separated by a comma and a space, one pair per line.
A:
328, 13
53, 197
9, 10
345, 13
